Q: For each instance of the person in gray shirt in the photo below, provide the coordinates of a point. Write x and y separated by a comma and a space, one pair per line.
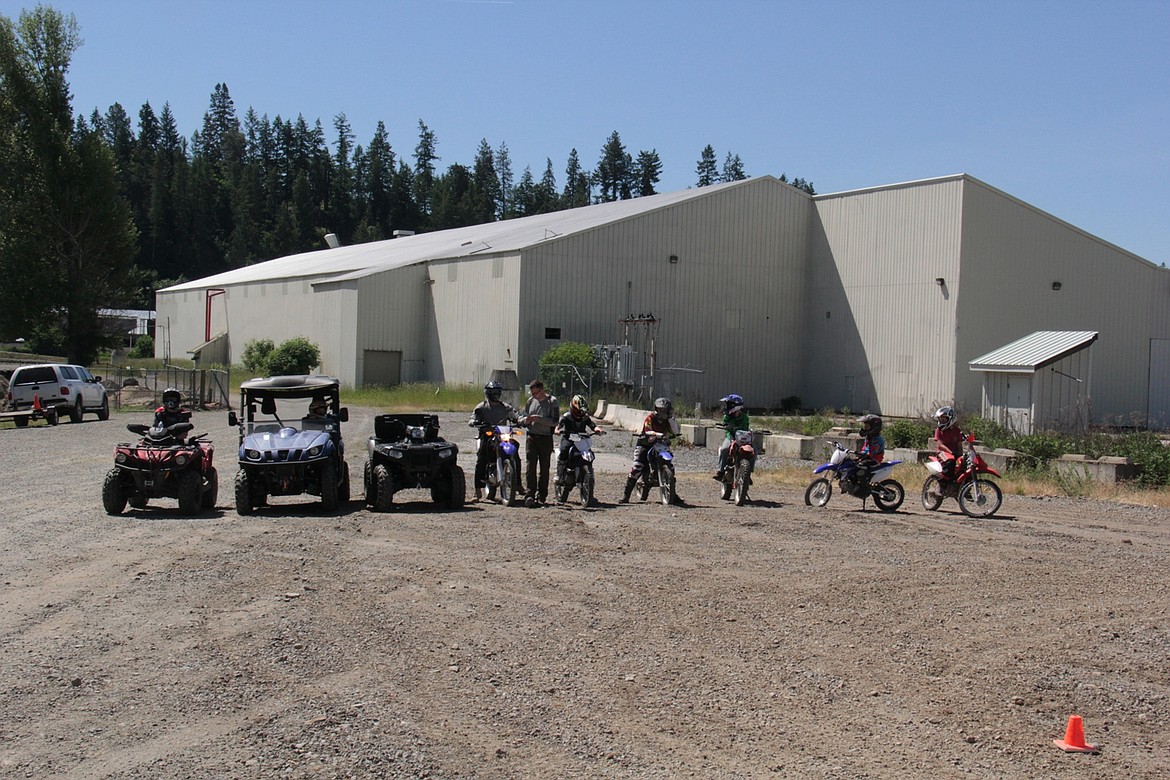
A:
540, 414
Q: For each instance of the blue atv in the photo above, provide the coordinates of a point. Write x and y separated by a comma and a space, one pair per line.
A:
290, 441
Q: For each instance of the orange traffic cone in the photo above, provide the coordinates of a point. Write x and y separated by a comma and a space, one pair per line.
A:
1074, 737
37, 403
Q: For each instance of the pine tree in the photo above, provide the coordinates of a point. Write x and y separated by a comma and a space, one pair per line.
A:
614, 172
486, 181
504, 170
578, 191
648, 170
707, 169
425, 158
733, 168
66, 233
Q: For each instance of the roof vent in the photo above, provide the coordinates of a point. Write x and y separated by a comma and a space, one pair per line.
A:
403, 233
332, 240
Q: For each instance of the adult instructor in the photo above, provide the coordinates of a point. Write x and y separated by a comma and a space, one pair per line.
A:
540, 414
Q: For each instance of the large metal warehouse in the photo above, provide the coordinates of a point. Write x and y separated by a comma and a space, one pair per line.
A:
872, 299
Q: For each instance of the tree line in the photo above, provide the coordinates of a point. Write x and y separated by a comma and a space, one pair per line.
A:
100, 211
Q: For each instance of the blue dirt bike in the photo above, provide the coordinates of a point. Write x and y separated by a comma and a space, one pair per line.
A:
888, 494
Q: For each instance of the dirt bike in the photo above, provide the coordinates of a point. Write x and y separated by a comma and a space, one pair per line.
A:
888, 494
977, 497
503, 473
741, 461
578, 468
659, 471
162, 465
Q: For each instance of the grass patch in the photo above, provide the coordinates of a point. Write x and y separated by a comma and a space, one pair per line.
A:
417, 397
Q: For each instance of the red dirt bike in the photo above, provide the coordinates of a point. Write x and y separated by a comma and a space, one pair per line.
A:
741, 461
162, 465
977, 496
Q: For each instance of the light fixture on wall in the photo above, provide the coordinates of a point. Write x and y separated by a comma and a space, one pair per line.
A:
674, 259
940, 281
1056, 285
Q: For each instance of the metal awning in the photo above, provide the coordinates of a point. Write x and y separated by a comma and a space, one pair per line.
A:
1026, 355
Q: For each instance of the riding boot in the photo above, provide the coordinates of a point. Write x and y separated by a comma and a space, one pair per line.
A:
560, 480
630, 483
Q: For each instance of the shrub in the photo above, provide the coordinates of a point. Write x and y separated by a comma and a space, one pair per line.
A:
295, 356
256, 352
907, 433
143, 348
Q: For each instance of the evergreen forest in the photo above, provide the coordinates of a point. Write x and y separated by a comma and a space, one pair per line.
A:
100, 210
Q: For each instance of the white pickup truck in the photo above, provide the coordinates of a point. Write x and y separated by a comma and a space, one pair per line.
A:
70, 390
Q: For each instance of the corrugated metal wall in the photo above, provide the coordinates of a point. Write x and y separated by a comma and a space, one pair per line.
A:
730, 305
277, 310
392, 315
476, 315
1012, 255
881, 327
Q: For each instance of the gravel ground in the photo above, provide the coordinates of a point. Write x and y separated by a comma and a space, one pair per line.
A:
640, 641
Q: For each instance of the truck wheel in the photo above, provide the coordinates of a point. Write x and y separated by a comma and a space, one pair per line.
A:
211, 492
329, 480
383, 489
75, 412
190, 492
458, 492
113, 497
243, 493
104, 411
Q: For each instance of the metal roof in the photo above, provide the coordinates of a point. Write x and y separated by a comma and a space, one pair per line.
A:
512, 235
1031, 352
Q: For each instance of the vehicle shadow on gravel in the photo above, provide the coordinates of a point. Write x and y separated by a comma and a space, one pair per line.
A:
170, 513
306, 509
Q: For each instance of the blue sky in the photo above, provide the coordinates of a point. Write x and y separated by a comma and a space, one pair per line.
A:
1065, 105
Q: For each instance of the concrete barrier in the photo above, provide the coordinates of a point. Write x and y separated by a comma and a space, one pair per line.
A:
791, 445
695, 434
601, 409
1106, 469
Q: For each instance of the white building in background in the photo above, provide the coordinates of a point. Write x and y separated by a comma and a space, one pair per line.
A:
873, 299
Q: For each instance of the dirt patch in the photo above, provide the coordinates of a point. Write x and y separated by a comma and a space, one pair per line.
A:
772, 640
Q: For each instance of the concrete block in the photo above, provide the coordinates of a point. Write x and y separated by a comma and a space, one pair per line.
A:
791, 445
695, 434
1107, 469
601, 409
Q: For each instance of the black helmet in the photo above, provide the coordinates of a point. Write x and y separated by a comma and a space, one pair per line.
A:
493, 390
945, 417
577, 406
663, 408
171, 399
871, 425
732, 404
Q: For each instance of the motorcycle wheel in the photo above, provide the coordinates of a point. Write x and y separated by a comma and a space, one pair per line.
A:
190, 492
383, 488
980, 498
666, 485
932, 493
508, 477
329, 484
818, 492
725, 488
889, 495
585, 485
211, 492
113, 497
243, 487
739, 491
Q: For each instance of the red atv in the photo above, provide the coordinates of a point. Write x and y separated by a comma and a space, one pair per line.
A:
162, 465
977, 495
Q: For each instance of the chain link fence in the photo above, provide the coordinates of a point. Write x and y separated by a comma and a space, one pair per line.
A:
202, 388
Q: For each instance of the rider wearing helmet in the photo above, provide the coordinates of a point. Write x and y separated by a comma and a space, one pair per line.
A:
735, 418
660, 421
948, 438
576, 420
491, 412
873, 447
171, 411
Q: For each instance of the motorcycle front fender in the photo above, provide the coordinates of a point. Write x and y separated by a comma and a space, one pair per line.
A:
509, 448
824, 467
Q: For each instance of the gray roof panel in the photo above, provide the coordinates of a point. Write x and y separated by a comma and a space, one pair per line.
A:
1034, 351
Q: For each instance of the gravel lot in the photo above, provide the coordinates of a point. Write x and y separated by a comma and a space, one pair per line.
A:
772, 640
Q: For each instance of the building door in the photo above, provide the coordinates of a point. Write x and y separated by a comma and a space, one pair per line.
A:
1019, 403
382, 367
1158, 407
